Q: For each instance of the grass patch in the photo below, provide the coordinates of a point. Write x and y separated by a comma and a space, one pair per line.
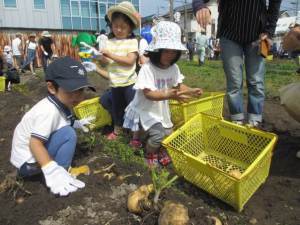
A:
211, 76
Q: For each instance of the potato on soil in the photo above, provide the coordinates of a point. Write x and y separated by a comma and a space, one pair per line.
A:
137, 198
173, 214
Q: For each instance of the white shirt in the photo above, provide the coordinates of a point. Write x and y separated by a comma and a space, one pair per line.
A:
31, 45
8, 57
142, 46
154, 78
40, 121
15, 46
101, 40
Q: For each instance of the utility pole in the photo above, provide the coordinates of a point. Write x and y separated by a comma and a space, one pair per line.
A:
298, 12
185, 21
171, 10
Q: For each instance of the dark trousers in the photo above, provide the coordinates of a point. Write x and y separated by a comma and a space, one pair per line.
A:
121, 97
45, 61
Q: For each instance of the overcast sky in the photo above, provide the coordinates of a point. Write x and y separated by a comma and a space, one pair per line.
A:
149, 7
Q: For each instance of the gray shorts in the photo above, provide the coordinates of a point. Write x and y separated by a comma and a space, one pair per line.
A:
156, 134
18, 59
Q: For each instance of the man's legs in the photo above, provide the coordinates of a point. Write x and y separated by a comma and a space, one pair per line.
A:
255, 71
232, 57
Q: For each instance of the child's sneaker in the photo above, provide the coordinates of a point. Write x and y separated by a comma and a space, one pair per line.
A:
152, 159
135, 143
163, 158
111, 136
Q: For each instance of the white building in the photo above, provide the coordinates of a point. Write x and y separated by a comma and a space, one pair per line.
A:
56, 14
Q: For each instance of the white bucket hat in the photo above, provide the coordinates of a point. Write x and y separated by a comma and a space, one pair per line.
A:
46, 33
166, 35
7, 48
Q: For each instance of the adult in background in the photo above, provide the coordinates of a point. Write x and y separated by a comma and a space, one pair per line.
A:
201, 42
30, 53
17, 49
241, 26
101, 40
48, 48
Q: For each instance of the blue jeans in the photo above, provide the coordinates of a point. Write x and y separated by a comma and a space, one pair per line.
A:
106, 101
234, 56
61, 148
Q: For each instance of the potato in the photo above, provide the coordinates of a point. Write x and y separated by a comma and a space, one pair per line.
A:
136, 198
173, 214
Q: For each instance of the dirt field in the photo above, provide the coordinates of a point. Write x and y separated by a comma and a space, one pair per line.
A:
277, 202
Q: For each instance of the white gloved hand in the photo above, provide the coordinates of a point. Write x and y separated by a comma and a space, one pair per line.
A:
45, 53
89, 66
81, 124
92, 50
59, 180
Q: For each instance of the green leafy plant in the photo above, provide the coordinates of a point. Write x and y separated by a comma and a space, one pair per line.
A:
89, 140
161, 181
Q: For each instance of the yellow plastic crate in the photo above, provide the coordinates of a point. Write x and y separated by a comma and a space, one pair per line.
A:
226, 160
2, 83
210, 103
92, 107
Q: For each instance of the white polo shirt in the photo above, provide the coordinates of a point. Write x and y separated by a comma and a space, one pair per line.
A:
16, 46
40, 121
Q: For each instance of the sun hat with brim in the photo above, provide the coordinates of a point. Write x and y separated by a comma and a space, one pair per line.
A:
7, 48
128, 9
69, 74
46, 34
166, 35
32, 35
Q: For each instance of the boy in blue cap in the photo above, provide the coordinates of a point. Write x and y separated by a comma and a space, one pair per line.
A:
45, 139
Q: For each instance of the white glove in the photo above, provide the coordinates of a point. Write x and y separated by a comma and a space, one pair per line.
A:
92, 50
81, 124
59, 180
89, 66
45, 53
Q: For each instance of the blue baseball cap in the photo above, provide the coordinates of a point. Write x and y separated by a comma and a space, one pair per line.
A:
68, 73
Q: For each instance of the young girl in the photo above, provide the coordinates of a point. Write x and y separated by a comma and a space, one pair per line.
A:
120, 54
159, 80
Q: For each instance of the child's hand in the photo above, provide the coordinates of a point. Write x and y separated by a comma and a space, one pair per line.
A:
89, 66
196, 92
105, 53
175, 94
192, 92
59, 180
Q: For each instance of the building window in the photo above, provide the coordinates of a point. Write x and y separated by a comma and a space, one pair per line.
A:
102, 9
75, 8
95, 25
76, 23
86, 25
94, 9
65, 7
67, 23
10, 3
102, 24
39, 4
85, 9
